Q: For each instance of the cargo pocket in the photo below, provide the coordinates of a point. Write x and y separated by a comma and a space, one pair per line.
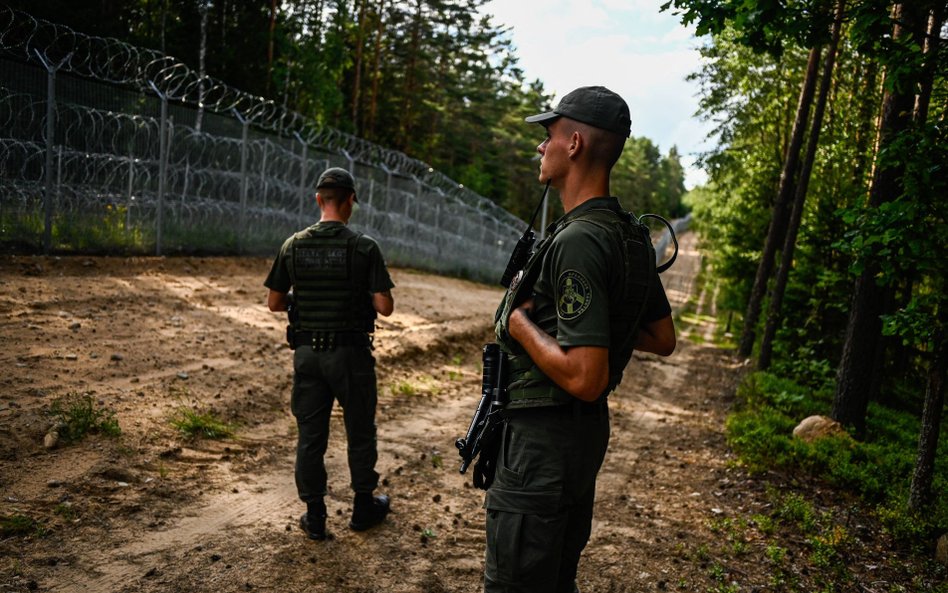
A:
508, 467
504, 534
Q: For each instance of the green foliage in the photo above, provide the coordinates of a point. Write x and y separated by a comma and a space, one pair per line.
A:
752, 97
88, 231
406, 388
764, 25
878, 470
20, 525
804, 361
907, 237
80, 414
797, 510
422, 385
65, 510
192, 423
648, 181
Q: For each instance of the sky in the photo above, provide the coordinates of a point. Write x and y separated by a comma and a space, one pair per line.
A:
628, 46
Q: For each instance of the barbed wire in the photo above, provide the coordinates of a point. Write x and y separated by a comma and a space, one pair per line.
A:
249, 168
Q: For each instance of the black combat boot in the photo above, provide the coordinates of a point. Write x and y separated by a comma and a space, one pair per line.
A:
313, 521
368, 511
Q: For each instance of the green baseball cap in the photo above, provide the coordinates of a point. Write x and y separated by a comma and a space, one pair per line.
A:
593, 105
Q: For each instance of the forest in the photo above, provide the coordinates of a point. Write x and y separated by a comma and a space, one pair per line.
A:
434, 79
823, 222
824, 219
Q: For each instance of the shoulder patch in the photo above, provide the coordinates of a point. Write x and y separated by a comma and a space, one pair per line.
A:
574, 295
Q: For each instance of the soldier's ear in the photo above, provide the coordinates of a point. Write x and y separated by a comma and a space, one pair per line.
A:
576, 143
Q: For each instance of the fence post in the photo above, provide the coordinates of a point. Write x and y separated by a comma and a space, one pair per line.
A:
50, 140
187, 173
162, 165
263, 173
59, 173
388, 186
351, 160
302, 178
417, 198
242, 222
128, 196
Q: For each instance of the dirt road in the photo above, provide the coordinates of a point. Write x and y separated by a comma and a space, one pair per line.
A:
154, 511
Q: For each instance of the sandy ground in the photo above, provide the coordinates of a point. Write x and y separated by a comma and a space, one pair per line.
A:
153, 510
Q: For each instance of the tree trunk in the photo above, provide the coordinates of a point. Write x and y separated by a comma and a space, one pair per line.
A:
164, 21
931, 61
202, 69
865, 122
781, 208
774, 318
854, 375
921, 491
357, 69
369, 130
273, 13
407, 117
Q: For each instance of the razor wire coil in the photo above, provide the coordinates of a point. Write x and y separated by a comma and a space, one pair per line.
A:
138, 141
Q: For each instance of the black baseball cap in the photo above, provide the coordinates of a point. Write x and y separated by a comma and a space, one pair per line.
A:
336, 177
593, 105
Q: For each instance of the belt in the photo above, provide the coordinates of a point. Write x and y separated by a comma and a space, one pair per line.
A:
574, 408
330, 340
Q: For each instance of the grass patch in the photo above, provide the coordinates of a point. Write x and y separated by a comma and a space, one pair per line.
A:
878, 470
194, 424
79, 415
411, 387
404, 388
20, 525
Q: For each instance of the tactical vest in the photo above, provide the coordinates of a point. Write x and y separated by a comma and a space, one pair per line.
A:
329, 282
528, 386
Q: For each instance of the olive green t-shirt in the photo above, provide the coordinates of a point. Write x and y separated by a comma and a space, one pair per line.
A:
580, 282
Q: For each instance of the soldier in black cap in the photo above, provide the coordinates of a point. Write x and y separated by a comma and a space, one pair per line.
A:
568, 326
340, 283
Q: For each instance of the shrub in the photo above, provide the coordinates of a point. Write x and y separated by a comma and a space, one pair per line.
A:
79, 415
192, 423
878, 470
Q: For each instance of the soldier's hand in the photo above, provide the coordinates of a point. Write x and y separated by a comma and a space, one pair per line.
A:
527, 307
520, 319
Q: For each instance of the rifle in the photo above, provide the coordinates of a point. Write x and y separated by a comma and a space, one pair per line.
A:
521, 252
482, 440
483, 436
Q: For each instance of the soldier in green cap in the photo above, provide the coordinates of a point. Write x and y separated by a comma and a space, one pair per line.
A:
340, 283
568, 338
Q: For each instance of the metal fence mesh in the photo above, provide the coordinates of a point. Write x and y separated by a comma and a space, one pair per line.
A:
106, 147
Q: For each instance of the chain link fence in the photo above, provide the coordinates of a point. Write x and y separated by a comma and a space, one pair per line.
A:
110, 148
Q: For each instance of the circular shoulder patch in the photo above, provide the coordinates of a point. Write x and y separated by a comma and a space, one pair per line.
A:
573, 295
